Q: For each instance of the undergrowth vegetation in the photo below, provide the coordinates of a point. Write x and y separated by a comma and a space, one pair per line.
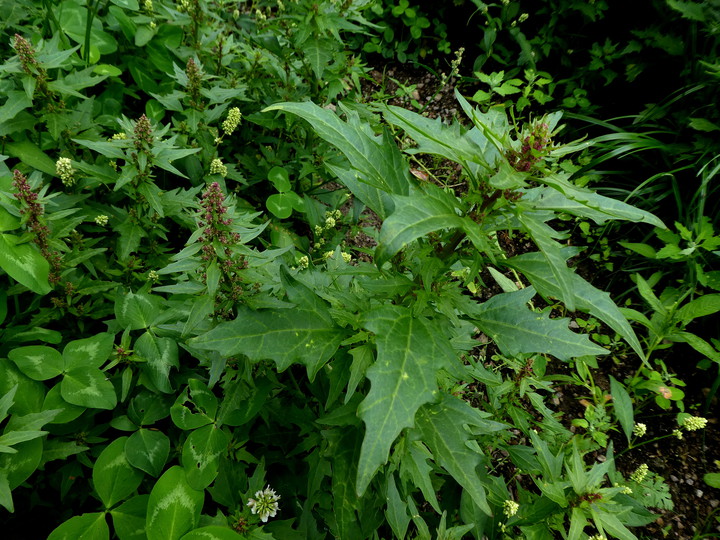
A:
231, 308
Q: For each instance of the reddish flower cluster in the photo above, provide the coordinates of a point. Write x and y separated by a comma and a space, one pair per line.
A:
534, 148
217, 235
143, 133
194, 84
26, 54
33, 211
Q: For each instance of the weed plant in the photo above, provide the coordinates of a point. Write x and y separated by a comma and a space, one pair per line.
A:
193, 341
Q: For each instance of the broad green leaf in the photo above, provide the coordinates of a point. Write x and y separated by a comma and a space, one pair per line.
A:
587, 298
410, 351
88, 352
174, 507
318, 53
415, 466
20, 465
113, 477
508, 321
444, 433
414, 217
396, 511
8, 222
54, 449
712, 480
38, 362
16, 101
31, 155
622, 404
109, 149
452, 141
129, 518
376, 160
344, 452
83, 527
201, 455
88, 387
29, 395
195, 407
280, 204
107, 69
54, 401
6, 401
25, 264
280, 179
137, 310
160, 355
146, 408
6, 500
708, 304
148, 450
213, 532
544, 237
287, 336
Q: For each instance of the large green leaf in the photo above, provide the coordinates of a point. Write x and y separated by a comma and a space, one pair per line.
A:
148, 450
113, 477
213, 532
345, 448
24, 264
508, 321
376, 161
417, 215
301, 335
201, 455
129, 518
161, 355
442, 427
601, 208
411, 350
31, 155
83, 527
88, 387
16, 101
20, 465
174, 507
38, 361
88, 352
586, 297
137, 310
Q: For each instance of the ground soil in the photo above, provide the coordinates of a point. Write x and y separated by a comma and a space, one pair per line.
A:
682, 463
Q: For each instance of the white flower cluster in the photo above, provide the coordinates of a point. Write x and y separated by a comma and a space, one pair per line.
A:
217, 167
265, 504
64, 169
232, 121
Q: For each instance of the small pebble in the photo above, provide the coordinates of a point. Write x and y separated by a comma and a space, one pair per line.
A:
698, 492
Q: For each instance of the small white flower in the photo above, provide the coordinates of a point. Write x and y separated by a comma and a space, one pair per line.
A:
693, 423
217, 167
101, 220
64, 169
265, 504
232, 121
510, 508
640, 474
640, 430
346, 257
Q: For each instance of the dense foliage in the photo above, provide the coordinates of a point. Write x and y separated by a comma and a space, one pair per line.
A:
230, 307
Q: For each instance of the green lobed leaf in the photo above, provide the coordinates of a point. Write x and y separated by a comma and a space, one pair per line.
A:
113, 476
16, 101
38, 362
201, 455
88, 387
173, 508
376, 160
415, 216
444, 433
25, 264
137, 310
508, 321
304, 335
586, 297
91, 526
148, 450
396, 511
411, 350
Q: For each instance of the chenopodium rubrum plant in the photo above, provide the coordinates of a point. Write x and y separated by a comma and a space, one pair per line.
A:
405, 321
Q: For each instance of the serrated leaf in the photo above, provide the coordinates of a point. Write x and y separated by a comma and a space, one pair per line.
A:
83, 527
38, 362
287, 336
201, 455
410, 352
415, 216
173, 508
16, 101
376, 160
516, 329
447, 439
148, 450
396, 511
113, 476
586, 297
88, 387
25, 264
